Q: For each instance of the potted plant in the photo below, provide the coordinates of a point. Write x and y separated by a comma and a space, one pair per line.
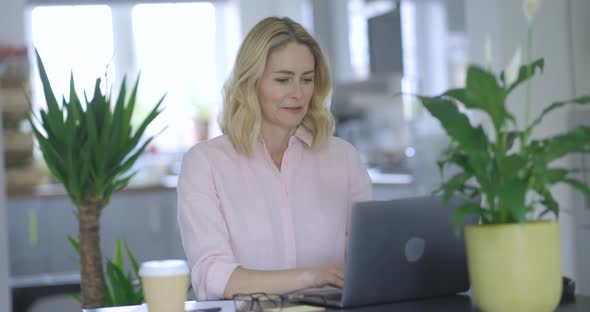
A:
90, 149
514, 253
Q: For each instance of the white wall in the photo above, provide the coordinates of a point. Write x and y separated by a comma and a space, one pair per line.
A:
579, 11
329, 26
4, 264
331, 30
506, 25
424, 41
252, 11
11, 21
11, 32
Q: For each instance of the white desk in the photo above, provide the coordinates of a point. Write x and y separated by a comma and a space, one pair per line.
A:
226, 306
443, 304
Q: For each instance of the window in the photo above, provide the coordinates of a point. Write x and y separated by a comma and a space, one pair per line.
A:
186, 55
176, 56
76, 39
359, 51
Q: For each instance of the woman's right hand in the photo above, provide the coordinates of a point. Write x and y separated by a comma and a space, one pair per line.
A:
283, 281
329, 275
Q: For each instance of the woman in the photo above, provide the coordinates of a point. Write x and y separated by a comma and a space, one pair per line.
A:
264, 207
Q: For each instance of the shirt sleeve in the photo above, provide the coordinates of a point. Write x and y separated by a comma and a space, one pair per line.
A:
203, 228
360, 186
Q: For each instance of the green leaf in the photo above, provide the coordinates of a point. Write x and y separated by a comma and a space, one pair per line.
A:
454, 184
123, 182
118, 185
470, 151
453, 155
84, 173
549, 202
556, 175
130, 146
129, 109
578, 185
576, 140
477, 165
132, 158
53, 159
74, 243
98, 105
55, 117
511, 137
116, 137
133, 260
510, 166
468, 208
108, 295
71, 152
123, 292
118, 255
512, 197
524, 73
456, 124
113, 282
49, 95
75, 298
74, 100
101, 111
483, 93
92, 128
579, 100
71, 184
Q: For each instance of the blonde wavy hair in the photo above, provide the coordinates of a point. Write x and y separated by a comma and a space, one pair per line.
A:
241, 117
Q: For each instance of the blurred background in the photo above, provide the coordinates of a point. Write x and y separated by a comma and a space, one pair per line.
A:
376, 48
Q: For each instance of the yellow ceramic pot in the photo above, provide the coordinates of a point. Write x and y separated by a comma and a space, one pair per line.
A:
515, 267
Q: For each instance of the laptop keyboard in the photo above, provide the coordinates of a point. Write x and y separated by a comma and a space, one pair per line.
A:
332, 296
325, 295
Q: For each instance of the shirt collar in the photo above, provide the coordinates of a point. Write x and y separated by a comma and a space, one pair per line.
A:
301, 133
304, 135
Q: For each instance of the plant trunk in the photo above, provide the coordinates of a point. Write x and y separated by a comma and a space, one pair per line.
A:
91, 273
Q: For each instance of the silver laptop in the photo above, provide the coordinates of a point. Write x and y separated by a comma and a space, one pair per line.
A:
401, 249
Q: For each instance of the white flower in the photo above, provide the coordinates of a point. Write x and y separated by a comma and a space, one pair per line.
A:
511, 72
530, 8
488, 52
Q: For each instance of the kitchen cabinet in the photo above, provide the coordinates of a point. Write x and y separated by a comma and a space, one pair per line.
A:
38, 227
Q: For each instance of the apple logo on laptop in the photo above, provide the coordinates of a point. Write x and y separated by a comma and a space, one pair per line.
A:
415, 249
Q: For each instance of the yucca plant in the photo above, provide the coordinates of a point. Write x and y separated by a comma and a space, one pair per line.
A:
90, 149
503, 165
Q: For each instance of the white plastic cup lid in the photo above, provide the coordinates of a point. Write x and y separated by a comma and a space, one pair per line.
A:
163, 268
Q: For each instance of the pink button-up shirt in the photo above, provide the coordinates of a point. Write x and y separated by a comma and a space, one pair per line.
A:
238, 210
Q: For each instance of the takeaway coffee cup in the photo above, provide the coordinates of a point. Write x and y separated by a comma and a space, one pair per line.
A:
165, 285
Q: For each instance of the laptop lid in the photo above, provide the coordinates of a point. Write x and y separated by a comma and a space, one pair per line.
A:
403, 249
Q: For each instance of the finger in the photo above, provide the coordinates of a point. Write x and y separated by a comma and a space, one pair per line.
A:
338, 278
339, 274
337, 282
337, 268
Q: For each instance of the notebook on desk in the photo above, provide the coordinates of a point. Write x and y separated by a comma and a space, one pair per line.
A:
398, 250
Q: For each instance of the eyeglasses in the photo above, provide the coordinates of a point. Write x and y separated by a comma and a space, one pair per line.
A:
258, 302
